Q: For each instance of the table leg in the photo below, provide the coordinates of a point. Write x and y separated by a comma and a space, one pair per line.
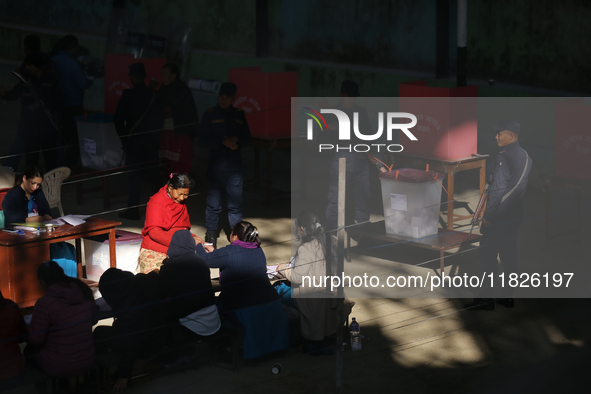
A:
442, 262
112, 248
450, 200
79, 272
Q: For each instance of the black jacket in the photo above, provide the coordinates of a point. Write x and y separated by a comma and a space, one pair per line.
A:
131, 106
16, 205
185, 281
217, 124
509, 182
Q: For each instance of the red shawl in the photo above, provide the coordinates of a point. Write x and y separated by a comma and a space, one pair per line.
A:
163, 218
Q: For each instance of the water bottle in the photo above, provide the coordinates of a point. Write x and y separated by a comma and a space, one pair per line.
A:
355, 335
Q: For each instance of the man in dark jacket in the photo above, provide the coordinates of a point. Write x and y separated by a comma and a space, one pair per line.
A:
139, 120
72, 82
504, 210
358, 171
40, 110
224, 131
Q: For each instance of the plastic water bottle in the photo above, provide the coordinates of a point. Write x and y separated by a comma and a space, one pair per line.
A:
355, 335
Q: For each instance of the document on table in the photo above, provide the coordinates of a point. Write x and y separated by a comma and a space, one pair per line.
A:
272, 269
72, 220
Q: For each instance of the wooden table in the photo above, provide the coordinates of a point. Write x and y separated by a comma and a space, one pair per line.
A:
20, 255
450, 168
444, 240
561, 182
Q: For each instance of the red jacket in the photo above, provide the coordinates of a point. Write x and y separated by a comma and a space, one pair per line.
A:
62, 326
12, 331
163, 218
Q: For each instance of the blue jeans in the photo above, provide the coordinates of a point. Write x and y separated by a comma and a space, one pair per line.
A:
223, 182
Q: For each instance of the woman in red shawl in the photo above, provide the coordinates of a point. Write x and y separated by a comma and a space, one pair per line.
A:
166, 213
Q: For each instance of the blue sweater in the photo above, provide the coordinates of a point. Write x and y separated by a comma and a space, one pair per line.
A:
243, 276
15, 205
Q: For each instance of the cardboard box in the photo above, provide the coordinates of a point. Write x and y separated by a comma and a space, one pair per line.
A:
100, 146
266, 100
446, 120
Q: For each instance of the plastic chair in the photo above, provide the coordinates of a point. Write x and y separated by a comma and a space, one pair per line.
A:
52, 186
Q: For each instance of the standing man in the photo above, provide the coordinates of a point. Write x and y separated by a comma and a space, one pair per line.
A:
357, 162
504, 210
139, 120
72, 82
31, 44
40, 110
224, 131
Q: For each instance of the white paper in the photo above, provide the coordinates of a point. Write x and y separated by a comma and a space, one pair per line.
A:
398, 202
90, 146
272, 269
72, 220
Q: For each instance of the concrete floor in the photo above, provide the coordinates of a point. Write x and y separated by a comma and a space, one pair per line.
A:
411, 345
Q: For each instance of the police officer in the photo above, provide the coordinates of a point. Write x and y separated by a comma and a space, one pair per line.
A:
504, 209
139, 120
357, 162
223, 131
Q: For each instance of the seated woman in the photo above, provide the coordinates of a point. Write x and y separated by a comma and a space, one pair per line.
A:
26, 202
138, 328
12, 331
317, 305
61, 325
185, 282
247, 293
166, 213
185, 286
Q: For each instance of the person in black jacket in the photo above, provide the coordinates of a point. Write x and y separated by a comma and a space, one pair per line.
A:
139, 120
504, 210
180, 124
224, 132
26, 202
139, 328
185, 284
41, 110
31, 44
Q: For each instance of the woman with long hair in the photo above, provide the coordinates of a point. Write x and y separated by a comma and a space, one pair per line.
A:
314, 260
26, 201
247, 295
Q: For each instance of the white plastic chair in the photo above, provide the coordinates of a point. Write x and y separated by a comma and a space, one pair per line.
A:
52, 186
